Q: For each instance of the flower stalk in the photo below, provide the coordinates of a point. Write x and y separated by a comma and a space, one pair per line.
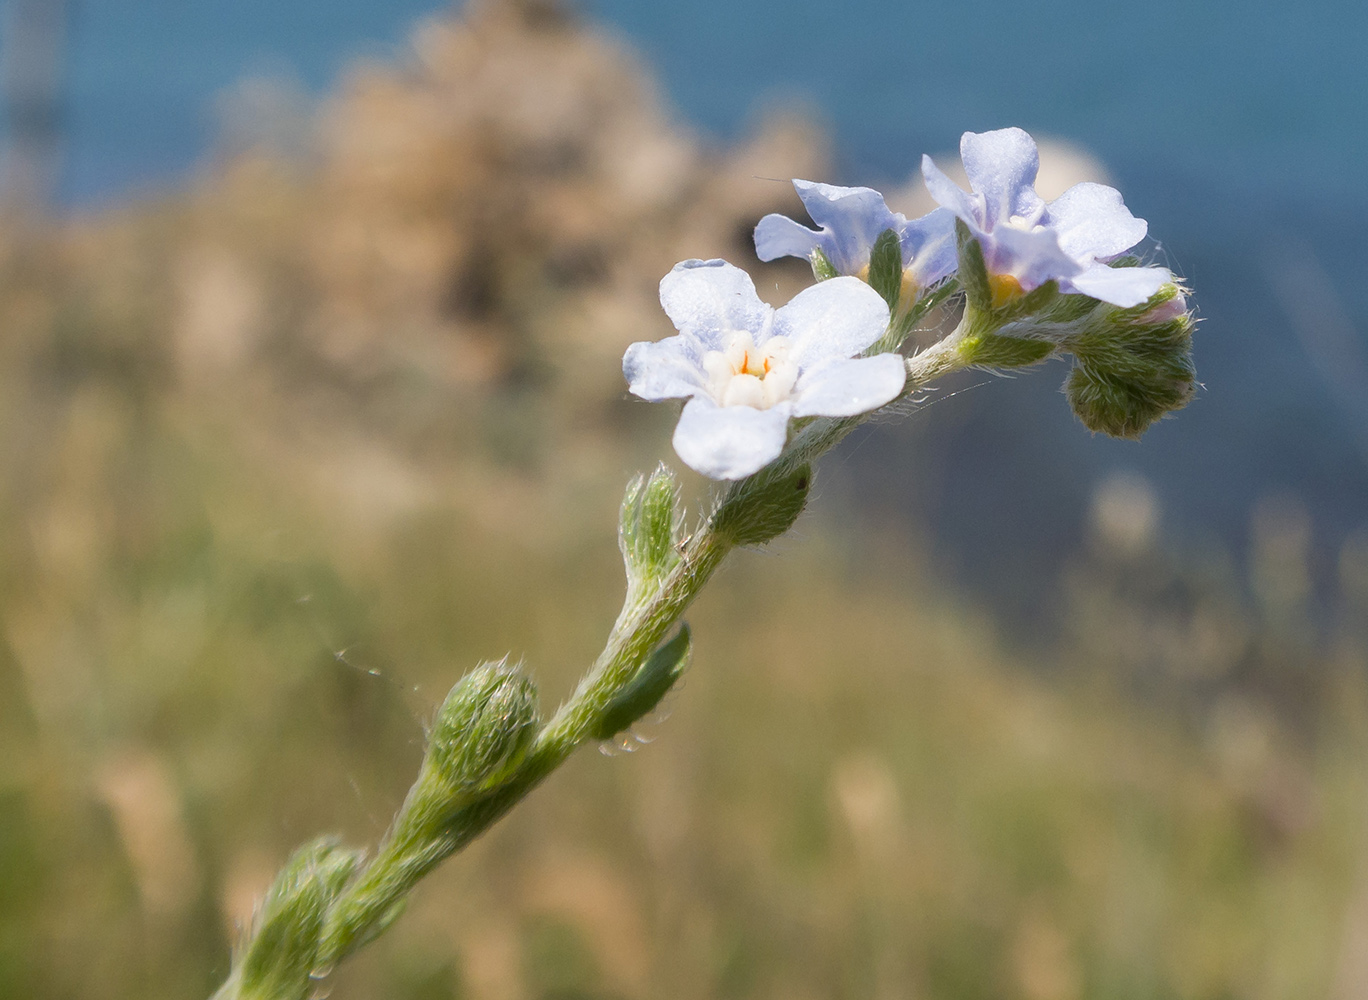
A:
769, 391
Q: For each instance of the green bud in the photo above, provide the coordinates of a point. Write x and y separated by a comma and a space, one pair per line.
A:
973, 271
648, 531
484, 727
284, 950
885, 268
1132, 366
760, 508
644, 691
822, 268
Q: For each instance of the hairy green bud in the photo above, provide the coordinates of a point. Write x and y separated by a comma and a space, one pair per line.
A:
284, 950
760, 508
1133, 366
484, 727
648, 529
643, 692
885, 268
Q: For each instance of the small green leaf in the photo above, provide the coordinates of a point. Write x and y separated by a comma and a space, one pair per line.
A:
973, 272
822, 268
643, 692
885, 267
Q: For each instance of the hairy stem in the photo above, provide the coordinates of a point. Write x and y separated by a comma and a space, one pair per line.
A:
439, 818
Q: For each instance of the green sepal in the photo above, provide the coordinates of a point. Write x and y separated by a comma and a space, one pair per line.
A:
885, 267
284, 949
1035, 302
822, 268
648, 528
994, 351
484, 727
763, 506
643, 692
973, 271
1070, 308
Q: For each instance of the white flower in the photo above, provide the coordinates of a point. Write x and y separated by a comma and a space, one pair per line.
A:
748, 369
1027, 242
850, 220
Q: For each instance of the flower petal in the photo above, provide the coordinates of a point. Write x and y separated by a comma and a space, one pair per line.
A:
835, 319
946, 192
1032, 257
1002, 166
853, 216
1121, 286
707, 300
664, 369
928, 247
1093, 222
849, 387
730, 442
779, 236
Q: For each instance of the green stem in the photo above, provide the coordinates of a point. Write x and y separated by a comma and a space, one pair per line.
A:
408, 854
438, 820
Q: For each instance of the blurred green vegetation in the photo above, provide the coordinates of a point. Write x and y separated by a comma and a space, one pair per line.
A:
287, 453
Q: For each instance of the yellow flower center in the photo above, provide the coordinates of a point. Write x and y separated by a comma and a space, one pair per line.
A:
906, 291
1005, 287
747, 375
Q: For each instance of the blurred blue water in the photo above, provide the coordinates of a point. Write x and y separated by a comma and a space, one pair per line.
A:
1236, 128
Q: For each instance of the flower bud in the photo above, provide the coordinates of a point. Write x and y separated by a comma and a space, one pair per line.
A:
648, 530
284, 950
484, 727
764, 506
1132, 366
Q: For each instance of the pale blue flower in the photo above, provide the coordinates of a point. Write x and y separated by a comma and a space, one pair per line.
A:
748, 369
1027, 242
851, 219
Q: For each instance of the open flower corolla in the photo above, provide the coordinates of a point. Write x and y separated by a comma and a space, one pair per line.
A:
851, 219
1027, 241
747, 369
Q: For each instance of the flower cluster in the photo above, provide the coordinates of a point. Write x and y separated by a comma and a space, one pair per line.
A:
1038, 278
